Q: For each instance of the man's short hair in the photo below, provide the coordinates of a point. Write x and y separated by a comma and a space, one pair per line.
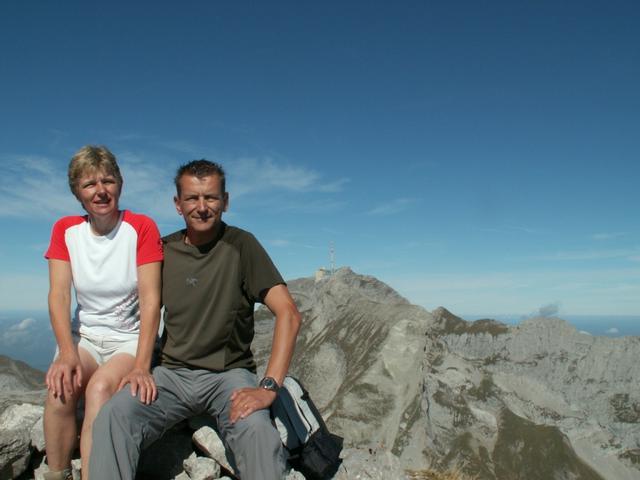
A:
89, 159
200, 169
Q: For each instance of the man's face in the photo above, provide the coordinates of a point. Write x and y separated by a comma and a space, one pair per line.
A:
201, 203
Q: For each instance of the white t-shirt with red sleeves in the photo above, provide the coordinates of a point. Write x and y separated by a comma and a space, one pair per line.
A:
104, 270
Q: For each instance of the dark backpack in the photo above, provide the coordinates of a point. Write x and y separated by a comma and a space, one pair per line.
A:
312, 449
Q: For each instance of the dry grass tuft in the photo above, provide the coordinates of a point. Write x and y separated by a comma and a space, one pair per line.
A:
433, 475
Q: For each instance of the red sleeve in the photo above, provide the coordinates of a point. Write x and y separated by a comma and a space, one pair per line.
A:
149, 248
58, 246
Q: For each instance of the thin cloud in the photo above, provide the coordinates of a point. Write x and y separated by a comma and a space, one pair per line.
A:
36, 187
392, 207
513, 229
282, 243
309, 207
613, 331
581, 291
590, 254
607, 236
148, 184
335, 186
248, 175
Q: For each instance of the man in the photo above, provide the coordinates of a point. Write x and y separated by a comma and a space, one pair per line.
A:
212, 276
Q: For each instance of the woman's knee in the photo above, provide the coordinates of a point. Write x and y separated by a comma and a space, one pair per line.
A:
60, 405
100, 389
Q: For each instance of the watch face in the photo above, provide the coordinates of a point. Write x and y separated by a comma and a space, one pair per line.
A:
269, 383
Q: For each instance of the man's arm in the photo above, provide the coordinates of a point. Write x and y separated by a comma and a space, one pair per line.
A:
247, 400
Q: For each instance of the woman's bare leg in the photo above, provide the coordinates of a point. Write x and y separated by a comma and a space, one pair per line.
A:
100, 389
60, 428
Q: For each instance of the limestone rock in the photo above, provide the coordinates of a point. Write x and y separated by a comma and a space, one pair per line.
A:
16, 423
37, 435
209, 442
201, 468
371, 464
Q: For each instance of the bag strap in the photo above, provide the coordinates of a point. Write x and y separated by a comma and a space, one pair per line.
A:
311, 405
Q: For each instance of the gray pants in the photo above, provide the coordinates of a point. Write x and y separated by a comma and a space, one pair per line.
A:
125, 426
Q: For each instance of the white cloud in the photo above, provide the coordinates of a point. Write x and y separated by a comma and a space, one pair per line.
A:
23, 325
392, 207
18, 333
548, 310
613, 331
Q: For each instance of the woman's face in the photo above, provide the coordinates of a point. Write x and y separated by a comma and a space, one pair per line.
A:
98, 191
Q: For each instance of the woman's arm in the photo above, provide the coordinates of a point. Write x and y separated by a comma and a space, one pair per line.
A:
65, 374
140, 377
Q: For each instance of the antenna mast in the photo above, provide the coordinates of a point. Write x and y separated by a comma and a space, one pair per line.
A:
332, 257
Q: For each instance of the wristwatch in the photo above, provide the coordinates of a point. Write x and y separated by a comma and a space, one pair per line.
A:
269, 383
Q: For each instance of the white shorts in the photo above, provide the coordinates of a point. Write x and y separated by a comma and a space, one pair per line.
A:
102, 348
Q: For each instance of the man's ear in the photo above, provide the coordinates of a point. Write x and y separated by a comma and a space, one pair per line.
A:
176, 202
226, 201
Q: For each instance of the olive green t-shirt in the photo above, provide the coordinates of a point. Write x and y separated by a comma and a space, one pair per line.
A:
209, 294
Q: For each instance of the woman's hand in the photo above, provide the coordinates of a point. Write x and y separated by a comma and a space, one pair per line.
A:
64, 377
141, 382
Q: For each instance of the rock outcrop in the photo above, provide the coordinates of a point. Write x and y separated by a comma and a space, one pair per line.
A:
539, 398
21, 400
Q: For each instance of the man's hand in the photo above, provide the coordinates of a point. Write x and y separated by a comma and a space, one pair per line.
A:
141, 381
245, 401
64, 376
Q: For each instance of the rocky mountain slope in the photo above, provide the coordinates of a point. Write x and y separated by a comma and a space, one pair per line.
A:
428, 390
19, 383
536, 401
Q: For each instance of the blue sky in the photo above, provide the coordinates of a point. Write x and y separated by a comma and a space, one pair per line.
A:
482, 156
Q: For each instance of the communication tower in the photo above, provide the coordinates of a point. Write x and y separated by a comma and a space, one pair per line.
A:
332, 258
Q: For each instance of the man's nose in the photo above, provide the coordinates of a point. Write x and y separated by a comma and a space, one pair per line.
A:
202, 205
100, 188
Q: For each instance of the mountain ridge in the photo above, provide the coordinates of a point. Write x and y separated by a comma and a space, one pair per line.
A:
490, 400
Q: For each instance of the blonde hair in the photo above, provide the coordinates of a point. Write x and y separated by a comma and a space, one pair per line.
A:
89, 159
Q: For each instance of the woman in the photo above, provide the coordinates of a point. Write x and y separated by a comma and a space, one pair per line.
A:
112, 258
